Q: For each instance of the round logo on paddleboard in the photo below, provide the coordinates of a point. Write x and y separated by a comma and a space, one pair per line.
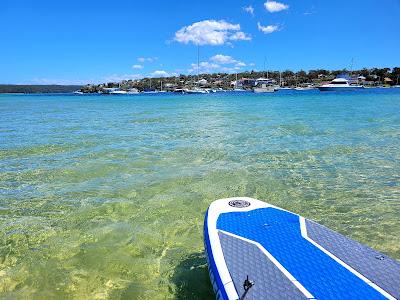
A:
239, 203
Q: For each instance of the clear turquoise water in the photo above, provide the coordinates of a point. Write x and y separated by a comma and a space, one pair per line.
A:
103, 197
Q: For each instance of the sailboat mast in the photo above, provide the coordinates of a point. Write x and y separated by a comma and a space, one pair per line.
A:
198, 64
351, 67
264, 67
236, 82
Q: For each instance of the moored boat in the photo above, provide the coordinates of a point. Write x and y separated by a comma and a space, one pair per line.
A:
196, 91
264, 88
339, 84
118, 92
265, 85
132, 91
304, 87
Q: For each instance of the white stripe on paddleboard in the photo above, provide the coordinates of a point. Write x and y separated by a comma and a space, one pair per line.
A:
275, 262
303, 229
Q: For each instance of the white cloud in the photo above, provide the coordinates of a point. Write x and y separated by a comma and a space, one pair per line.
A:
137, 67
240, 36
273, 6
267, 29
218, 63
228, 69
210, 32
206, 64
204, 67
223, 59
147, 59
120, 77
161, 73
249, 9
227, 60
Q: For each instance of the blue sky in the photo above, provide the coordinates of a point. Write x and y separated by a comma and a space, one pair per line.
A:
68, 42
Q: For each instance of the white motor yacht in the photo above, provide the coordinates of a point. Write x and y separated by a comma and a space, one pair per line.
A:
339, 84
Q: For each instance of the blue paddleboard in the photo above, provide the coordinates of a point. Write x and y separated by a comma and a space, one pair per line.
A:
259, 251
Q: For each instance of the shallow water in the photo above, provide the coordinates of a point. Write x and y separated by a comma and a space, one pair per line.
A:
104, 196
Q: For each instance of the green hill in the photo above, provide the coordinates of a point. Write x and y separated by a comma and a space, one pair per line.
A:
32, 89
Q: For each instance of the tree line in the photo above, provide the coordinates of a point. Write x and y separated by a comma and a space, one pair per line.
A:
35, 89
223, 80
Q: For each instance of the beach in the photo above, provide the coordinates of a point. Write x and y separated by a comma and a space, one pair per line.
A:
104, 196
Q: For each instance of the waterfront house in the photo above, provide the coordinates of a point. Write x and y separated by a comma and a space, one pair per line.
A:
388, 81
202, 82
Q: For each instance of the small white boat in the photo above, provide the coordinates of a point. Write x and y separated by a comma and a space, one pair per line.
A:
150, 92
196, 91
265, 88
304, 88
339, 84
118, 92
132, 91
78, 93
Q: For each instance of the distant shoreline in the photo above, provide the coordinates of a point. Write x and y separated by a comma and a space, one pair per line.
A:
226, 81
37, 89
173, 93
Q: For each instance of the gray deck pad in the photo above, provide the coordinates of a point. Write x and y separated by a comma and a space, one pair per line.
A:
243, 258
